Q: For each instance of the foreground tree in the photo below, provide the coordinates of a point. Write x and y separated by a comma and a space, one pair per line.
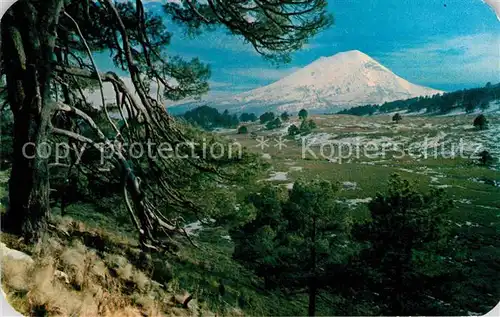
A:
409, 242
296, 238
46, 57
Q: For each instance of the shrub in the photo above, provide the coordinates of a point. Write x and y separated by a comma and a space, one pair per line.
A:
243, 130
307, 126
285, 116
303, 114
248, 117
485, 158
267, 117
276, 123
397, 118
481, 123
293, 130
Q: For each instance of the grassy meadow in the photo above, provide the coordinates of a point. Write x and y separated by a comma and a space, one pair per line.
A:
107, 237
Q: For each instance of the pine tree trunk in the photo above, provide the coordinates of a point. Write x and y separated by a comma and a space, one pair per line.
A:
28, 40
312, 298
312, 279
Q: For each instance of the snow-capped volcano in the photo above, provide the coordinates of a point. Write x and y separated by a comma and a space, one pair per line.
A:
330, 83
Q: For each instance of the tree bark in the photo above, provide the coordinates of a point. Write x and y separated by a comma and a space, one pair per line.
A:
28, 37
312, 298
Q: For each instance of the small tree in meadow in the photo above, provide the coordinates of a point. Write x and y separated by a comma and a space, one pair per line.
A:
303, 114
397, 118
276, 123
248, 117
243, 130
293, 130
307, 126
267, 117
481, 123
285, 116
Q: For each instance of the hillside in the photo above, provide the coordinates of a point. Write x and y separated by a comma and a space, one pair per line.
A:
462, 101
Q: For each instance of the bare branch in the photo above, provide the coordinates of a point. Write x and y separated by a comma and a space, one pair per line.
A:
72, 135
63, 107
101, 86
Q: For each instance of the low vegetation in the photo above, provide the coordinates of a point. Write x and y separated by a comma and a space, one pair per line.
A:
267, 117
397, 118
481, 123
288, 250
84, 271
243, 130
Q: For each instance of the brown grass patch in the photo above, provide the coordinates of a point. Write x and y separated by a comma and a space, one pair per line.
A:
83, 276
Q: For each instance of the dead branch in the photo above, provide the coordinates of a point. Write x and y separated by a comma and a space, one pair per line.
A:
101, 86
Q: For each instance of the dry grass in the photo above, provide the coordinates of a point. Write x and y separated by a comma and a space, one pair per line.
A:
97, 283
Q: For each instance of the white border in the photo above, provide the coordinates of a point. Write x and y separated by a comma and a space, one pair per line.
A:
5, 309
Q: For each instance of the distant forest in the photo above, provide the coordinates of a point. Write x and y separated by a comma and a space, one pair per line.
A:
209, 118
467, 99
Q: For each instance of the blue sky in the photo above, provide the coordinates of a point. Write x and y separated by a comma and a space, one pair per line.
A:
444, 44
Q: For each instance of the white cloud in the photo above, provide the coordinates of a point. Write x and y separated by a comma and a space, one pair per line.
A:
261, 73
469, 59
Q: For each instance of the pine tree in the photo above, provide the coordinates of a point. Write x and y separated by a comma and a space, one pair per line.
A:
293, 130
397, 118
303, 114
276, 123
307, 126
408, 238
248, 117
285, 116
267, 117
295, 238
480, 122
